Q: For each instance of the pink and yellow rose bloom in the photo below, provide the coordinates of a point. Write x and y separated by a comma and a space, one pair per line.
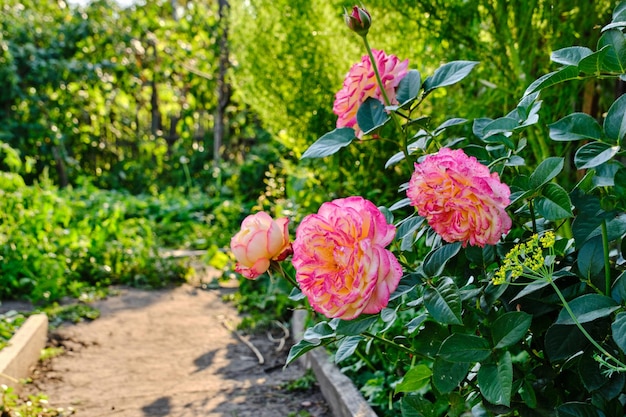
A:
360, 84
341, 262
460, 198
260, 240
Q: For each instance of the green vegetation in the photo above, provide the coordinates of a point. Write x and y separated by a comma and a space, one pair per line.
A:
34, 406
9, 323
128, 132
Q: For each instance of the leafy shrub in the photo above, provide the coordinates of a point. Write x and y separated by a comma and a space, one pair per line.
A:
511, 299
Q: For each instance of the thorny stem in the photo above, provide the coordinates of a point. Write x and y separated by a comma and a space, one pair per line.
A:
405, 150
391, 343
582, 329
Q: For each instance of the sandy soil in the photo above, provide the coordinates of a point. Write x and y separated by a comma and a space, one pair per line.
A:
171, 353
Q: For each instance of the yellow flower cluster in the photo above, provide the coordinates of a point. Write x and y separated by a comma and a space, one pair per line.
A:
525, 258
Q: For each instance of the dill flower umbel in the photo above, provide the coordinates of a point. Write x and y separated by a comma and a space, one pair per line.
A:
527, 259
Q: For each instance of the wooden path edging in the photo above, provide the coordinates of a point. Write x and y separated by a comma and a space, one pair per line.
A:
341, 394
23, 350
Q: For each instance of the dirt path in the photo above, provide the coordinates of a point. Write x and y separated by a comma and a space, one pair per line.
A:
170, 353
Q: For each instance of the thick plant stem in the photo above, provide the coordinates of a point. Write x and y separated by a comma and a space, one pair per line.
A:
379, 80
607, 265
582, 329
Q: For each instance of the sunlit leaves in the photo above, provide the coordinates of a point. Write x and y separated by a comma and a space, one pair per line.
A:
547, 170
576, 126
330, 143
448, 74
568, 72
615, 121
409, 87
415, 379
371, 115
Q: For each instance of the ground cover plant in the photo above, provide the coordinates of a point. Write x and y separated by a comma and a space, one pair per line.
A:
494, 284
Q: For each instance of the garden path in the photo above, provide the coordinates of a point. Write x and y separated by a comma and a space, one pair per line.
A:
171, 352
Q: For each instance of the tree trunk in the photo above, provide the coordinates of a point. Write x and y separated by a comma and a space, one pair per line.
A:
154, 99
223, 88
60, 166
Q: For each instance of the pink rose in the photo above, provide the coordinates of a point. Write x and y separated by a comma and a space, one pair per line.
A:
341, 262
461, 200
360, 84
260, 240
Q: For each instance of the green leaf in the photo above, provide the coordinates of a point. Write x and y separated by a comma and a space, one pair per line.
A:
346, 347
590, 372
436, 260
389, 316
593, 64
576, 409
455, 121
318, 332
619, 13
510, 328
415, 379
330, 143
448, 375
527, 392
449, 74
296, 294
615, 58
371, 115
394, 159
568, 72
443, 302
400, 204
615, 122
554, 204
591, 258
355, 326
571, 55
416, 406
618, 329
594, 154
561, 342
409, 87
499, 125
496, 380
545, 171
460, 347
575, 126
587, 308
299, 349
415, 323
409, 226
605, 174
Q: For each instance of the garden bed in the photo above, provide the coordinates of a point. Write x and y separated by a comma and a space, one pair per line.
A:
23, 350
341, 394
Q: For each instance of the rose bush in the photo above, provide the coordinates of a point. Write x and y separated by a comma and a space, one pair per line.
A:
360, 84
511, 297
260, 241
341, 263
461, 200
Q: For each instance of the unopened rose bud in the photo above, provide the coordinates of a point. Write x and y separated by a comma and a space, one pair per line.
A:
359, 20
